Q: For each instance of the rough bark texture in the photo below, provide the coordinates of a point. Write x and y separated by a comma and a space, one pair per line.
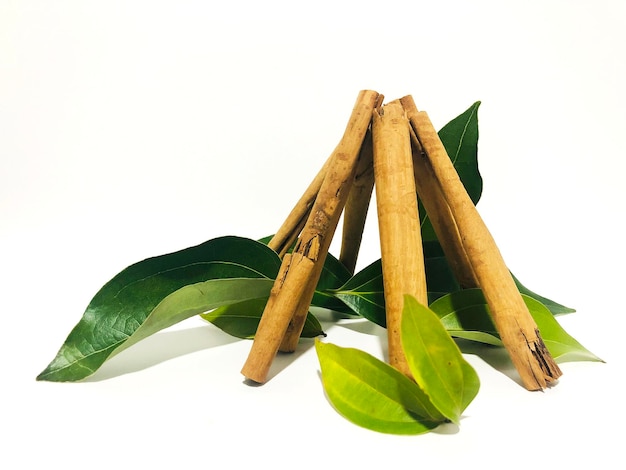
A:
517, 329
284, 317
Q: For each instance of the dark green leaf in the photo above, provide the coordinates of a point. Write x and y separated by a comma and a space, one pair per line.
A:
435, 360
460, 139
265, 240
554, 307
158, 292
372, 394
440, 279
242, 319
364, 294
334, 274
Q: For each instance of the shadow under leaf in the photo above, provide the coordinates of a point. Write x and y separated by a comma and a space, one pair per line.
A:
495, 356
159, 348
284, 359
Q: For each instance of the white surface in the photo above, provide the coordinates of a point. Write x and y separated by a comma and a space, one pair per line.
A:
132, 129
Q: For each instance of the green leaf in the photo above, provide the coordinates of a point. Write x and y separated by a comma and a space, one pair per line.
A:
436, 361
555, 308
465, 314
372, 394
364, 294
440, 279
334, 274
561, 345
159, 292
242, 319
265, 240
460, 139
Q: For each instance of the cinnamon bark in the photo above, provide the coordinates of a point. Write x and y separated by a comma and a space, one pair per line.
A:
318, 232
516, 327
283, 319
294, 273
438, 211
357, 205
400, 238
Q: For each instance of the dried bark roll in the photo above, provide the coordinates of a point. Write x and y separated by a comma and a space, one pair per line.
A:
284, 317
357, 205
438, 211
516, 327
320, 227
400, 238
294, 273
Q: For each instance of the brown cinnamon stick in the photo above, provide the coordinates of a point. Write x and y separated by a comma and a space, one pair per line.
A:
438, 211
400, 238
518, 331
284, 317
357, 205
329, 205
294, 273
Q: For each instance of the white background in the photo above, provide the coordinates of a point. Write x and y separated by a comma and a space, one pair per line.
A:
131, 129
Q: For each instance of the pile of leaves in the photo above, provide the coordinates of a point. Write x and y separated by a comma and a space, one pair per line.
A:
227, 282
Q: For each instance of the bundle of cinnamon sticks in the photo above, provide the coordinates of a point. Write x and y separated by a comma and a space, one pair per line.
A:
395, 149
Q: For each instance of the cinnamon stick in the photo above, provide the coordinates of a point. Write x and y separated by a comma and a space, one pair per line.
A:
283, 319
329, 205
516, 327
294, 273
438, 211
357, 205
400, 238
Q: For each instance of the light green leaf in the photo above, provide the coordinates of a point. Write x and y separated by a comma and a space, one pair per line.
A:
562, 345
465, 314
436, 361
372, 394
